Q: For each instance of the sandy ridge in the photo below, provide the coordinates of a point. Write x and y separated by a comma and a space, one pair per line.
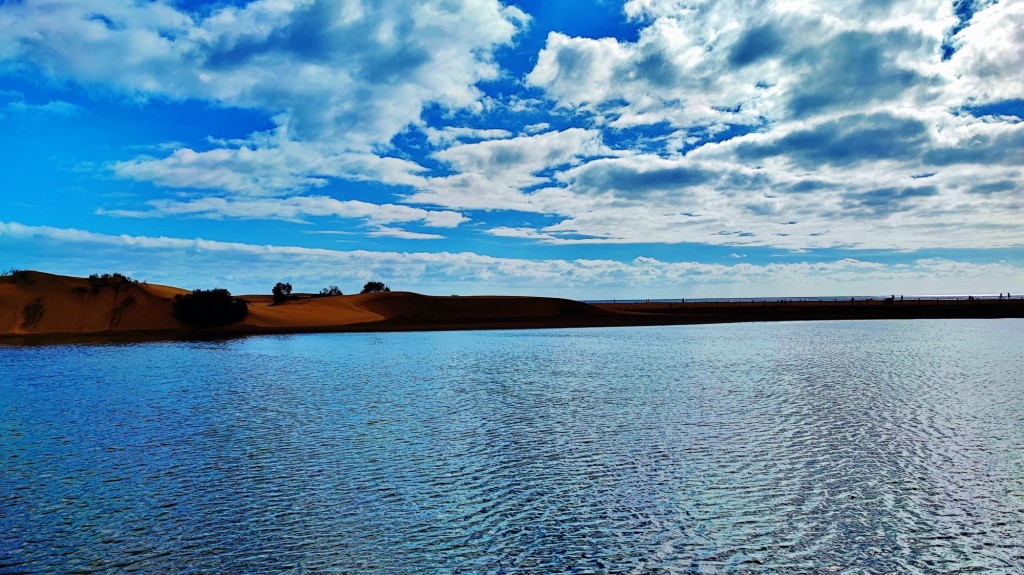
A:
40, 305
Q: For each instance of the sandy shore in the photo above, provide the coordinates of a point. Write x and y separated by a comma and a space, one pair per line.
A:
40, 306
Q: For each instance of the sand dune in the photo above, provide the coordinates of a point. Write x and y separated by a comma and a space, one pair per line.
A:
36, 304
410, 311
40, 303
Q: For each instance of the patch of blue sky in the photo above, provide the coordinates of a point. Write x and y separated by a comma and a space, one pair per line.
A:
203, 8
1013, 107
65, 184
643, 139
964, 10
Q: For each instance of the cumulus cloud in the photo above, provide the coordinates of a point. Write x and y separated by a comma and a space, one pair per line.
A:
809, 193
338, 70
987, 64
339, 79
701, 63
793, 125
496, 174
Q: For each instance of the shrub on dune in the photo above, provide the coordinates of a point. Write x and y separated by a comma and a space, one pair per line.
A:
375, 287
209, 308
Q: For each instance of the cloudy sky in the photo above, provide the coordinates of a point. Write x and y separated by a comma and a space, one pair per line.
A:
600, 149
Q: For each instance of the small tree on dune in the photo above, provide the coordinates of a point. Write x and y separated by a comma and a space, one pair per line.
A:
281, 292
375, 287
330, 291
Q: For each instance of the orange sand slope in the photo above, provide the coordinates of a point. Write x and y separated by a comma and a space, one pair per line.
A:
35, 303
410, 311
40, 303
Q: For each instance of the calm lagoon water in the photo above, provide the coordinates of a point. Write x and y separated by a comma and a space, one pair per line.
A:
820, 447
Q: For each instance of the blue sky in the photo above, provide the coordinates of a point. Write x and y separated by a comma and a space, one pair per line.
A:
639, 149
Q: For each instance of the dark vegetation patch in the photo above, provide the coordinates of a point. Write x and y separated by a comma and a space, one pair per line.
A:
282, 292
32, 313
329, 291
118, 311
99, 282
375, 287
15, 276
209, 308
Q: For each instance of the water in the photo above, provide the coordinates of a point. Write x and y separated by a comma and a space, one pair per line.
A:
831, 298
819, 447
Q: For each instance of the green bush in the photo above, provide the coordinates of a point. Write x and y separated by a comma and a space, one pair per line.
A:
209, 308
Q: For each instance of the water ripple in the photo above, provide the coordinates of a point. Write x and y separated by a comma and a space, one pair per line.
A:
844, 447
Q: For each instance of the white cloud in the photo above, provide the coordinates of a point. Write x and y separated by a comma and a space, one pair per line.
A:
987, 66
856, 135
697, 64
809, 191
858, 141
387, 232
338, 78
294, 209
271, 168
251, 268
525, 233
337, 70
494, 174
524, 154
444, 137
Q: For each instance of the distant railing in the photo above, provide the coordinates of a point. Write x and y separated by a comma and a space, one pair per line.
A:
654, 306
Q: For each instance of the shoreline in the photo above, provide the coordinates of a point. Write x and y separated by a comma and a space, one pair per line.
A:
640, 314
36, 307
